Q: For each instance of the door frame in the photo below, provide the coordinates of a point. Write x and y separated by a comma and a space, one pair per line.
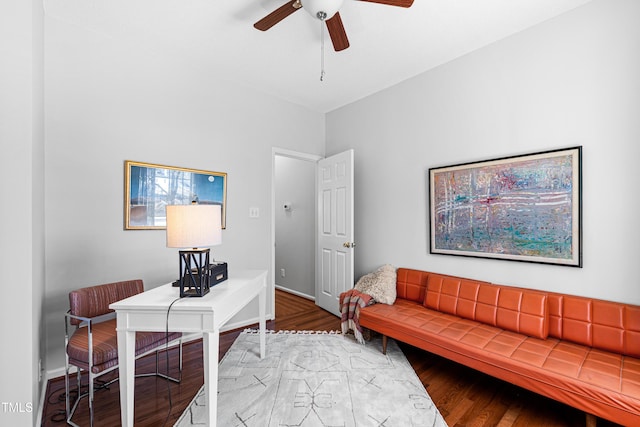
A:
283, 152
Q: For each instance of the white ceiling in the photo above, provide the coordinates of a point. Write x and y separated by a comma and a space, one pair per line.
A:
388, 44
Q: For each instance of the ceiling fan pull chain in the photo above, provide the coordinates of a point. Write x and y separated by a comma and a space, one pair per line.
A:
321, 50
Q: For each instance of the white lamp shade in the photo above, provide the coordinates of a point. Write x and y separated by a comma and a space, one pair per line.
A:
330, 7
194, 226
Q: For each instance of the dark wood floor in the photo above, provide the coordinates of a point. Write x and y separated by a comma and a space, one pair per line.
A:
464, 397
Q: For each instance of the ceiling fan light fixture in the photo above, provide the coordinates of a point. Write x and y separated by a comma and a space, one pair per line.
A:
322, 9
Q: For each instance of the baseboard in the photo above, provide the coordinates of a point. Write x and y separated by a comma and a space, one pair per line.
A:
43, 396
58, 372
296, 293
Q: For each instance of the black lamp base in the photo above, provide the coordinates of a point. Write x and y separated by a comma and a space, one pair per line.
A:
195, 275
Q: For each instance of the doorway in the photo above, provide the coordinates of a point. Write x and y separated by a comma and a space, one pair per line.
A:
294, 222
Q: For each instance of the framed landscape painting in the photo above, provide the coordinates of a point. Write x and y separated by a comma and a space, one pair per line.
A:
149, 188
521, 208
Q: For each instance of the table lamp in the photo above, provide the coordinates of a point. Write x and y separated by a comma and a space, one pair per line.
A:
193, 228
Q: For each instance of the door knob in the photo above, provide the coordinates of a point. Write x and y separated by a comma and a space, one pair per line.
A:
349, 245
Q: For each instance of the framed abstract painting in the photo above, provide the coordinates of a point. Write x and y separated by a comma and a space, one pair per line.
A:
520, 208
149, 188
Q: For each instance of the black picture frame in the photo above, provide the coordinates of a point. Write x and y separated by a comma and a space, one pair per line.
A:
519, 208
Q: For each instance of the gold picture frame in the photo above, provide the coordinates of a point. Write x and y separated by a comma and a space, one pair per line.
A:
149, 188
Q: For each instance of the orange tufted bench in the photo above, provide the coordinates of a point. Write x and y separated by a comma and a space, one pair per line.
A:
580, 351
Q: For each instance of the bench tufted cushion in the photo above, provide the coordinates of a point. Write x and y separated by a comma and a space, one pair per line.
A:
411, 284
595, 323
523, 311
514, 309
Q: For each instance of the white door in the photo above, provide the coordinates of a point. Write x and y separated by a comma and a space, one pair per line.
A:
334, 255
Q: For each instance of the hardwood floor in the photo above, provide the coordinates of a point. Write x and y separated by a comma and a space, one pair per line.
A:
464, 397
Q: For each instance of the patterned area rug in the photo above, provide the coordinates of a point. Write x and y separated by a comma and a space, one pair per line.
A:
316, 379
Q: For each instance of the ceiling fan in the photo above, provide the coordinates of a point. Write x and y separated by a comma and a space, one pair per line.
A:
324, 10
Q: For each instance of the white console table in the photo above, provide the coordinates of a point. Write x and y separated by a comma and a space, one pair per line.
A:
148, 312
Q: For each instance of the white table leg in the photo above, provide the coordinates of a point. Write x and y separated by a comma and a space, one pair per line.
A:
127, 371
262, 310
210, 344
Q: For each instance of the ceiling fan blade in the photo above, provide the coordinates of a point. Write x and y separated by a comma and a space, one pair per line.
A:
400, 3
337, 33
276, 16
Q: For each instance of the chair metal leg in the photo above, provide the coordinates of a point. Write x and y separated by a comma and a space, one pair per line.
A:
91, 375
180, 359
91, 390
72, 409
66, 388
162, 375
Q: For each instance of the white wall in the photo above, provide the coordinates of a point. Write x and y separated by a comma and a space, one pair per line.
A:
21, 217
111, 98
569, 81
295, 184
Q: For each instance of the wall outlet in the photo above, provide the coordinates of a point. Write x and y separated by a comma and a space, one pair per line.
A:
282, 272
254, 212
